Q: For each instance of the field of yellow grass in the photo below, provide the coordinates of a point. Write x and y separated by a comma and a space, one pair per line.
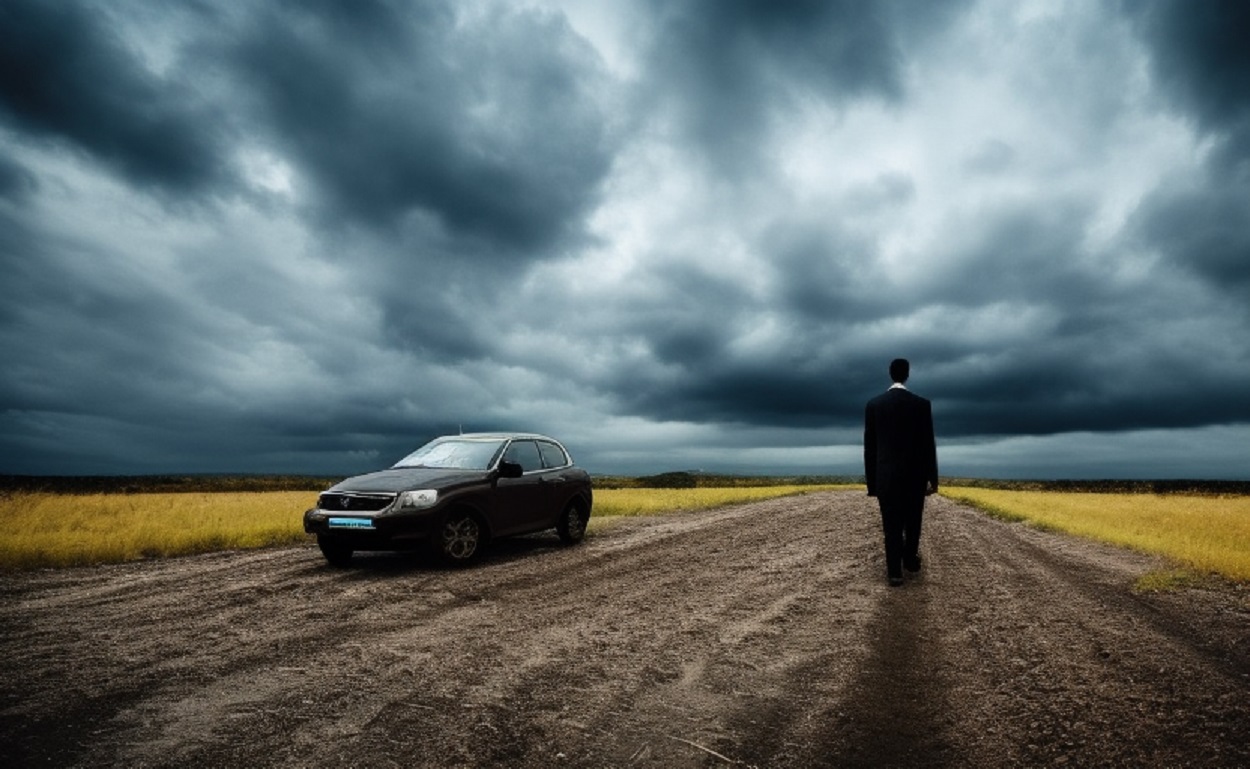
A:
42, 529
46, 529
1208, 534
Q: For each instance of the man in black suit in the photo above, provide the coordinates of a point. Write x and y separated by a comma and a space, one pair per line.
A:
900, 462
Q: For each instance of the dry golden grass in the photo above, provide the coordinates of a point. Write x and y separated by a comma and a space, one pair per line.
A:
43, 529
1209, 534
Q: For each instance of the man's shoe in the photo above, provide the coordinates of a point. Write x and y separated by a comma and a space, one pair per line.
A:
912, 564
896, 581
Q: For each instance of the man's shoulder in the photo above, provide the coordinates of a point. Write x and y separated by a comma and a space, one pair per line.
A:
880, 400
896, 395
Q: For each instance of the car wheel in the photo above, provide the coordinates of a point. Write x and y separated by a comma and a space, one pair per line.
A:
572, 524
336, 552
459, 538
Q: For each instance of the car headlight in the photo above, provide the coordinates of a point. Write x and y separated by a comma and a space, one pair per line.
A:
418, 500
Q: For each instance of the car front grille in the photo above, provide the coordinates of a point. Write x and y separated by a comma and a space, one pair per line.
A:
354, 502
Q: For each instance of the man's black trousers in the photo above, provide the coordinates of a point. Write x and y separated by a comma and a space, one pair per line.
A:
900, 521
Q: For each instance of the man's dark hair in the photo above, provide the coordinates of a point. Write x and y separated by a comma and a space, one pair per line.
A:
900, 369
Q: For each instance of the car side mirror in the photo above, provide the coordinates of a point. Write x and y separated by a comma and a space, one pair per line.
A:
510, 469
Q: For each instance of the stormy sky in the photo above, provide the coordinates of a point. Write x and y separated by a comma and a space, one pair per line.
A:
305, 237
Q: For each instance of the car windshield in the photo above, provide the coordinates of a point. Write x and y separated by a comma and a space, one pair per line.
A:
454, 453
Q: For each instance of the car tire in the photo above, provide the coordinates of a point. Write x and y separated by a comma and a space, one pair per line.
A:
572, 524
337, 553
459, 538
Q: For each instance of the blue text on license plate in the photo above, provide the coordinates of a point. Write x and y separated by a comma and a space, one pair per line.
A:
351, 523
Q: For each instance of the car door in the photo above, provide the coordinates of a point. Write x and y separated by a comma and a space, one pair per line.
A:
521, 503
559, 488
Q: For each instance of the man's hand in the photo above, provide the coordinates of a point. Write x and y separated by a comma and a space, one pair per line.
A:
930, 488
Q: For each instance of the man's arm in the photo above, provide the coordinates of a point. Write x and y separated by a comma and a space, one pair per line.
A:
870, 450
931, 451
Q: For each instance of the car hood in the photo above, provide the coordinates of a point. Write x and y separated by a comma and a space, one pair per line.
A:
408, 478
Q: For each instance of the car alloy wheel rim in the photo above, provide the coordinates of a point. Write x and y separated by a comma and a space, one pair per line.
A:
576, 525
460, 538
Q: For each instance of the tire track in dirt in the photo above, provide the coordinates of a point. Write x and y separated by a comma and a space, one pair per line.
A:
1065, 664
761, 635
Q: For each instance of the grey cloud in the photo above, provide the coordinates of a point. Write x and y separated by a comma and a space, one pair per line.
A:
774, 390
490, 126
1202, 228
1200, 56
825, 275
487, 226
1029, 251
107, 342
992, 157
216, 370
762, 394
65, 75
1055, 397
694, 323
887, 192
16, 182
1058, 364
1202, 65
444, 312
727, 68
676, 320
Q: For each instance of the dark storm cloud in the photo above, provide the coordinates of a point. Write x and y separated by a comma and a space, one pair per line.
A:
16, 182
1203, 228
306, 236
1067, 385
697, 323
1200, 57
1025, 252
673, 316
729, 69
1014, 325
416, 141
98, 324
66, 77
1202, 65
826, 268
491, 126
1105, 353
780, 391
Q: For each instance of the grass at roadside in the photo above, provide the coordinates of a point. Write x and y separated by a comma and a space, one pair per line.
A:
44, 529
1206, 534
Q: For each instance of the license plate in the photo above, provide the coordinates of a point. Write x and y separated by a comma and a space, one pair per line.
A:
351, 523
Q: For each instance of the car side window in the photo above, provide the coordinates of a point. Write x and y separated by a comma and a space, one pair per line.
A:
525, 454
553, 455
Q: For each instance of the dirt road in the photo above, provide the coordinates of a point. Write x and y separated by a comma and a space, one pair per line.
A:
758, 635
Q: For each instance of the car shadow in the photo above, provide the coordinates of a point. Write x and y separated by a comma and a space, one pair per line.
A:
397, 563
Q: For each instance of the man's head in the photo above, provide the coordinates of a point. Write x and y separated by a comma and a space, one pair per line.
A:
900, 369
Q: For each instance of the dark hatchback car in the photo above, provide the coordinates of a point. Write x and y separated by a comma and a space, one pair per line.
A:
453, 495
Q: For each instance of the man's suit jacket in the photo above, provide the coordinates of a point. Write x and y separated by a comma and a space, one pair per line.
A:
900, 452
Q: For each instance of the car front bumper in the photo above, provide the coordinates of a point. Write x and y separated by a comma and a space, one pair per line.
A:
371, 531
